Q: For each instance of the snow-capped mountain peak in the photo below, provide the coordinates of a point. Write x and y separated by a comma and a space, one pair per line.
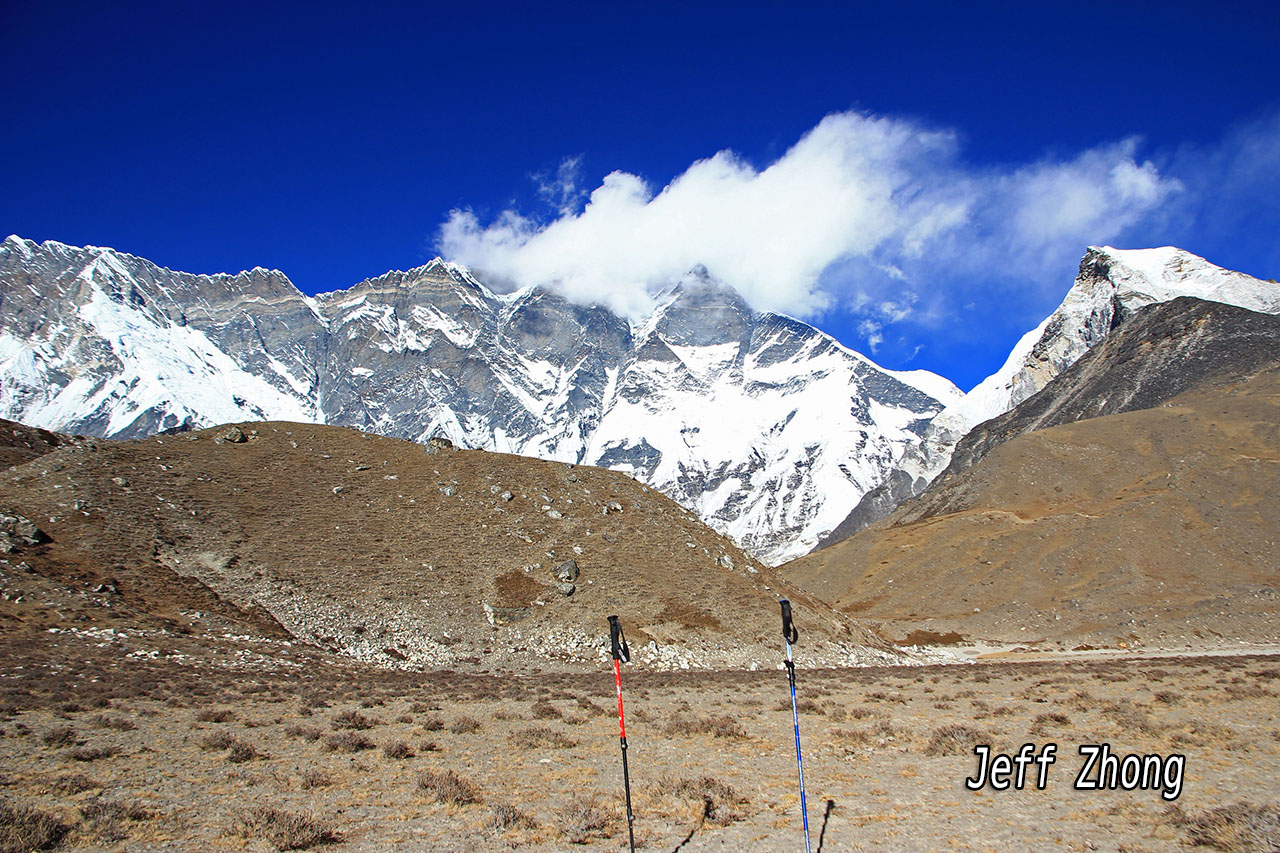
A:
766, 427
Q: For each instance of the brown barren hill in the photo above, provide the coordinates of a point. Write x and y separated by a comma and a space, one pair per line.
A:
20, 443
395, 554
1157, 528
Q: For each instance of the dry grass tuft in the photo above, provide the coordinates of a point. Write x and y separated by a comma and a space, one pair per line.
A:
108, 818
955, 739
313, 778
504, 816
586, 817
74, 783
544, 710
24, 828
719, 801
1238, 828
464, 726
215, 715
397, 749
354, 720
285, 830
718, 725
348, 742
92, 753
446, 786
538, 736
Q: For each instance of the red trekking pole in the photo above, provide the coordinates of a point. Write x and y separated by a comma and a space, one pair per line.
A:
621, 655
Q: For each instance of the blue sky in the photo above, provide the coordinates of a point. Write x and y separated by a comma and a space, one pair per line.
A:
918, 179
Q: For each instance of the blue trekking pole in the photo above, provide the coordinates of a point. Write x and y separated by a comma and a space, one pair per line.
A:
789, 636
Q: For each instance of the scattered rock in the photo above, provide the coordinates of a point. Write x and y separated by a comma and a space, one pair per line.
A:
235, 435
438, 444
554, 513
449, 490
566, 572
566, 589
337, 490
506, 496
17, 530
504, 615
120, 481
724, 561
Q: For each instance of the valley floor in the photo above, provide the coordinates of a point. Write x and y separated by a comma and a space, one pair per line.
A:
252, 751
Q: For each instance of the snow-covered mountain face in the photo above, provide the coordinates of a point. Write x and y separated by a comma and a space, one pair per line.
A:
1112, 284
767, 428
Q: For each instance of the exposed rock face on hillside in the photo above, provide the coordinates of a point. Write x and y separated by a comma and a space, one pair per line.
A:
391, 553
1152, 526
1111, 286
1163, 350
764, 426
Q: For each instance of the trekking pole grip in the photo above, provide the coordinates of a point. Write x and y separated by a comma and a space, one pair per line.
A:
618, 641
789, 631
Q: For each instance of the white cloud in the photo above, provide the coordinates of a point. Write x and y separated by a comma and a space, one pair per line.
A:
863, 211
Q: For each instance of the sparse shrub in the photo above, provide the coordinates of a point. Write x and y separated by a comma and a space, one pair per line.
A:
92, 753
592, 708
720, 725
218, 740
347, 742
120, 724
536, 736
1130, 718
719, 801
432, 724
430, 746
1042, 722
59, 736
504, 816
464, 725
1241, 827
304, 732
74, 783
880, 731
1168, 697
107, 818
585, 817
405, 718
955, 739
544, 710
215, 715
1238, 692
397, 749
446, 786
313, 778
353, 720
241, 752
24, 828
285, 830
